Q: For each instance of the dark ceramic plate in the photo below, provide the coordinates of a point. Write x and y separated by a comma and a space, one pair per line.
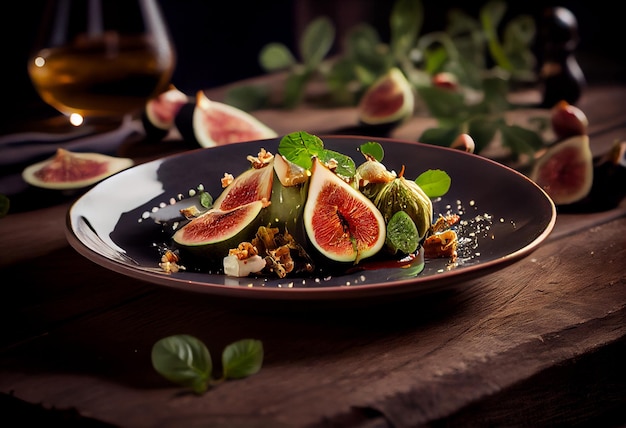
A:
505, 217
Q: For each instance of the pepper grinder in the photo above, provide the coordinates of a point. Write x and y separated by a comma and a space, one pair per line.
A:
562, 77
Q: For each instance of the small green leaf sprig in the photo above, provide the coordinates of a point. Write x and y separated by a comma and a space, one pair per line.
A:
185, 360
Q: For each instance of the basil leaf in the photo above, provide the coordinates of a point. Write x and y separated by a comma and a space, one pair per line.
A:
373, 149
242, 358
434, 182
184, 360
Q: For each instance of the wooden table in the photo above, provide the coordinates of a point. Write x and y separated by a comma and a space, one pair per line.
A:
541, 342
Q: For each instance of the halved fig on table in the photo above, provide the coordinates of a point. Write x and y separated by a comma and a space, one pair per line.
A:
160, 112
212, 123
388, 102
565, 170
73, 170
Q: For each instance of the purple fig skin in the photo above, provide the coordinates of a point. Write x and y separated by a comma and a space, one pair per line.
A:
568, 120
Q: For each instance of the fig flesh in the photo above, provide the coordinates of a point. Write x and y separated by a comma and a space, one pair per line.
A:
73, 170
252, 185
234, 217
212, 123
389, 101
210, 236
565, 170
341, 223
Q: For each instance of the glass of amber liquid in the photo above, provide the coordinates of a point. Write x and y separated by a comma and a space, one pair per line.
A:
101, 59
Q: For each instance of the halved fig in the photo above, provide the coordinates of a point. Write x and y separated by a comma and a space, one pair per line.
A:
389, 100
211, 235
565, 170
341, 223
289, 194
73, 170
212, 123
160, 112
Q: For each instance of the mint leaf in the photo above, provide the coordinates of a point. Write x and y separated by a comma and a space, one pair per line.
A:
434, 182
345, 165
184, 360
242, 358
300, 147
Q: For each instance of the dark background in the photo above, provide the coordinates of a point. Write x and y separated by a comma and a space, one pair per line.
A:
219, 42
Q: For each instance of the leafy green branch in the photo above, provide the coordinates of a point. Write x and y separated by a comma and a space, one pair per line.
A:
484, 57
185, 360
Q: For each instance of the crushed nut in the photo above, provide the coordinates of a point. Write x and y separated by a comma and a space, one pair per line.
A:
441, 245
190, 212
263, 158
444, 223
169, 262
243, 251
227, 179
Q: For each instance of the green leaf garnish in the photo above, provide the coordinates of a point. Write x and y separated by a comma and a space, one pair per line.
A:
300, 147
434, 182
206, 200
373, 149
184, 360
402, 234
345, 165
242, 358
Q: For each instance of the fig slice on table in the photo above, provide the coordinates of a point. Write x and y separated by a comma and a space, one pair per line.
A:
73, 170
212, 123
159, 114
341, 223
565, 170
389, 101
